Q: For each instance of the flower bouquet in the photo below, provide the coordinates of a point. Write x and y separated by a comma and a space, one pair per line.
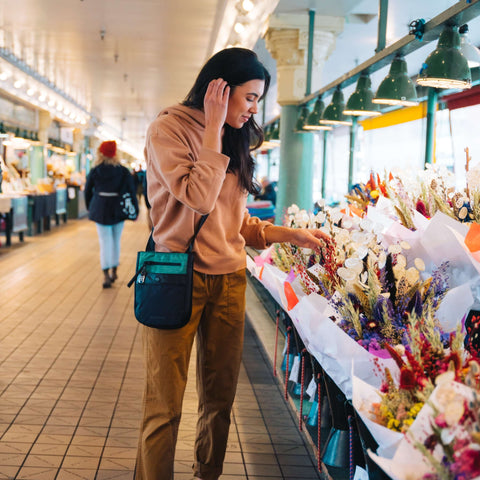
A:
443, 443
426, 357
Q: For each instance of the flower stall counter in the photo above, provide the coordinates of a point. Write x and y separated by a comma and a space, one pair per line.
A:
382, 307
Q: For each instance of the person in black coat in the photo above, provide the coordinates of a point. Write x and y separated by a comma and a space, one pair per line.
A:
105, 187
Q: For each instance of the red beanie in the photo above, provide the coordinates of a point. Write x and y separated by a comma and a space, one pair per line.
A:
108, 148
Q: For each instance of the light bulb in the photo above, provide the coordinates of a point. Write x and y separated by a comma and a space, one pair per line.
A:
247, 5
239, 27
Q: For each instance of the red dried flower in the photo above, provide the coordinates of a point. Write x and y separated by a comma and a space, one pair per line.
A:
421, 208
440, 421
407, 379
394, 354
468, 462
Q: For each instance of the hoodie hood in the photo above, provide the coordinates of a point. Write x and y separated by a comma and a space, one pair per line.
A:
192, 116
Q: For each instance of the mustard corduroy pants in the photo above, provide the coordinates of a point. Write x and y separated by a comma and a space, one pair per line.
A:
218, 315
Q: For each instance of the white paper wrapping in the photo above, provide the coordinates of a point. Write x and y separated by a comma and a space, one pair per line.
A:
441, 244
337, 352
408, 463
364, 395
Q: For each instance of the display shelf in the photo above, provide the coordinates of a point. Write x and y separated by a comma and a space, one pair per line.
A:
14, 211
340, 438
76, 207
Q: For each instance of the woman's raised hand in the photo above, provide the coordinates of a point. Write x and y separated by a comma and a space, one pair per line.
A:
215, 106
216, 103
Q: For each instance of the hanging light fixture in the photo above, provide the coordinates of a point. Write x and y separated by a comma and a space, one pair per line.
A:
446, 67
360, 101
275, 132
397, 87
313, 120
333, 114
302, 117
469, 51
267, 133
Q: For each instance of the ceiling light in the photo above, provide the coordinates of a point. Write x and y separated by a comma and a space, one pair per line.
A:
239, 27
42, 97
333, 114
312, 122
360, 101
302, 117
397, 87
18, 83
267, 132
30, 91
4, 75
446, 67
247, 5
469, 51
275, 132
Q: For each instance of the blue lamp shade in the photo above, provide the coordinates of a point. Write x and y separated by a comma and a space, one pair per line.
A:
360, 102
313, 120
397, 88
333, 114
446, 66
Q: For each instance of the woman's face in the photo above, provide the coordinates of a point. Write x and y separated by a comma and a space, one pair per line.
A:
243, 102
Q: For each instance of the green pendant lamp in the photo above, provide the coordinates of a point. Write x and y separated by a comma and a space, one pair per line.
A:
267, 133
397, 88
360, 102
333, 114
313, 120
446, 67
469, 51
302, 118
275, 132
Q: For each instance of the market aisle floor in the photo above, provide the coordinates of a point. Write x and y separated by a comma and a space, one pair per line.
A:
71, 373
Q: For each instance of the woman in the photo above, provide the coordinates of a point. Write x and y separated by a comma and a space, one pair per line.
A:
104, 184
199, 162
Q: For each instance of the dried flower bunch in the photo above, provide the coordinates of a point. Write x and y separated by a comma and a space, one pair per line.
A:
425, 356
373, 288
453, 446
430, 191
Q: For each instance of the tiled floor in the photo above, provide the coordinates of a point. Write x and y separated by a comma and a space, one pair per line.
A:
71, 373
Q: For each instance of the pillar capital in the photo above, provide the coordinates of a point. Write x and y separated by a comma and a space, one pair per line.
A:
287, 41
78, 140
44, 122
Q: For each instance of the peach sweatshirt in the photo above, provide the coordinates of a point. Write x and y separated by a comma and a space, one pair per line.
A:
186, 181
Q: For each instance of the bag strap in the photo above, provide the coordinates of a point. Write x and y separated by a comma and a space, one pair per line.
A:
150, 247
151, 244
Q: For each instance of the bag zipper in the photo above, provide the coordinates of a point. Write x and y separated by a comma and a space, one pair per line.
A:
142, 272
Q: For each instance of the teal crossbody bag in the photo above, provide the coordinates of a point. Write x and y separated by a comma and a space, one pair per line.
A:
163, 286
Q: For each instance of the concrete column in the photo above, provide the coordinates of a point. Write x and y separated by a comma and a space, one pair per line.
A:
287, 41
38, 153
78, 143
36, 160
44, 122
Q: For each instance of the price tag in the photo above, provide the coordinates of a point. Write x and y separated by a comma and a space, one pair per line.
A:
293, 375
360, 473
317, 270
312, 389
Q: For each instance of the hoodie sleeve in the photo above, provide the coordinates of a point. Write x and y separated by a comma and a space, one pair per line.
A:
253, 231
193, 180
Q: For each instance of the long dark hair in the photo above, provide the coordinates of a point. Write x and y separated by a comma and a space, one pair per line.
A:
236, 66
